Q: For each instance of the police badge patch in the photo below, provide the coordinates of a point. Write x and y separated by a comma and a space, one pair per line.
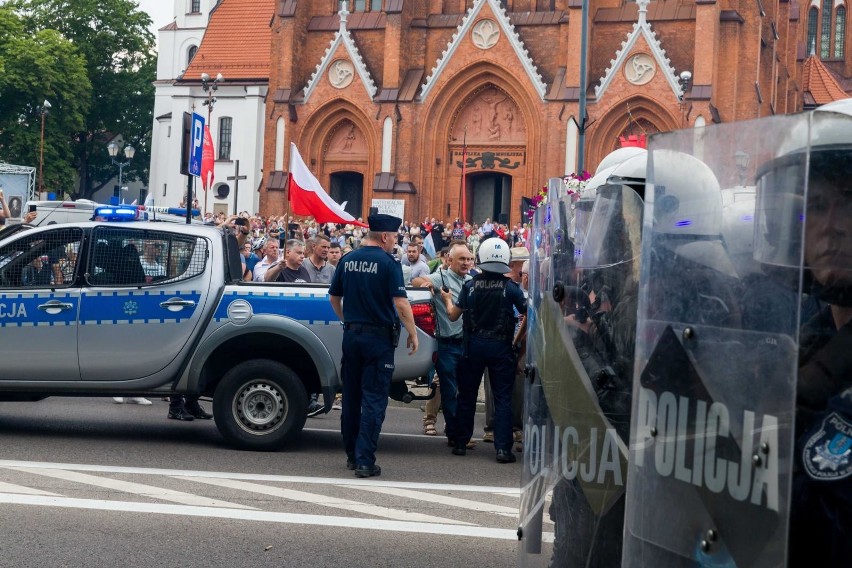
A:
828, 454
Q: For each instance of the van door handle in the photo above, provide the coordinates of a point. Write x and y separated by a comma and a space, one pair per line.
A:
55, 306
176, 304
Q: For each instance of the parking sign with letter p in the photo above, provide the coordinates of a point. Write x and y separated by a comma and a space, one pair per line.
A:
196, 144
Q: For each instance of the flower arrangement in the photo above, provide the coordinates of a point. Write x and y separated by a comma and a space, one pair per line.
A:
574, 184
537, 201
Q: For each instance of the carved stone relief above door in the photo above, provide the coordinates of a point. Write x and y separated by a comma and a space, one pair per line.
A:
491, 116
346, 142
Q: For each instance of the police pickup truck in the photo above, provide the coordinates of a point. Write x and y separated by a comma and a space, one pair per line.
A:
136, 309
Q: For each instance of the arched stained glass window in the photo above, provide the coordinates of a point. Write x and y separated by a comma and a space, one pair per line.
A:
839, 31
825, 30
812, 29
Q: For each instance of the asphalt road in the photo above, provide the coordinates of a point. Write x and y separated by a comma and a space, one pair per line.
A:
89, 483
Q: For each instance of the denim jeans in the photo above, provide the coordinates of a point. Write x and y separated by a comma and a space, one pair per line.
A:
449, 358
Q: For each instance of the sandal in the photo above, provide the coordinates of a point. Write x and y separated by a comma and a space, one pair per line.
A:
429, 426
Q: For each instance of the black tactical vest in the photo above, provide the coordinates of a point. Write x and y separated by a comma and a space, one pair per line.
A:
489, 312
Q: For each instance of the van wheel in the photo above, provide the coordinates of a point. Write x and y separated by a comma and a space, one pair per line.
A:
260, 405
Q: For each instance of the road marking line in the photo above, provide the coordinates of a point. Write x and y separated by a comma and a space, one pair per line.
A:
326, 501
262, 516
12, 488
130, 487
262, 477
389, 434
445, 500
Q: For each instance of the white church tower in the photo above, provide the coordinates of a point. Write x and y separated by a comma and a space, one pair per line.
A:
202, 39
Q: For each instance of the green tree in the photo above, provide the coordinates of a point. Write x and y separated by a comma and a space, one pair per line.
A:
114, 39
33, 68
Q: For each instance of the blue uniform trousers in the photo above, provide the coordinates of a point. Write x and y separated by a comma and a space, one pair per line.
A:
450, 355
498, 357
366, 369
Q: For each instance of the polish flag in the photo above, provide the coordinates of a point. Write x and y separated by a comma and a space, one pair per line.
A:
207, 160
307, 197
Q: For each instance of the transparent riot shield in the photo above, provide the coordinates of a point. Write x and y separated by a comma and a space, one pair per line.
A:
714, 385
580, 348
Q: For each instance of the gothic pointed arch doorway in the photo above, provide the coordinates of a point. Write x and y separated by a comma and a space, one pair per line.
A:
347, 188
489, 196
488, 143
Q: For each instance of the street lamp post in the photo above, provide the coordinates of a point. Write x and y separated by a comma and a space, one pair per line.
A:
742, 160
45, 107
684, 80
209, 87
129, 151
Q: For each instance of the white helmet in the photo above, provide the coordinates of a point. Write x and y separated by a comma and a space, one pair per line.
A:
631, 168
494, 256
618, 156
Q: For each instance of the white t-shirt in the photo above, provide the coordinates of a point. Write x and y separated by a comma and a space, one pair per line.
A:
260, 269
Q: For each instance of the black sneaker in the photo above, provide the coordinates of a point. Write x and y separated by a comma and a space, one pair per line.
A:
459, 450
350, 462
368, 471
197, 410
314, 409
181, 414
505, 456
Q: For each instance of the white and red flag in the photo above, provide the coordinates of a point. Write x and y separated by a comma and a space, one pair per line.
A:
307, 197
207, 160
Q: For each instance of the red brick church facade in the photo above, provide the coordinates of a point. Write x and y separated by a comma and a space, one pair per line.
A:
382, 104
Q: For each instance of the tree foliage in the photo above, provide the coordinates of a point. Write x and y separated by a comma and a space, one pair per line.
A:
117, 49
34, 68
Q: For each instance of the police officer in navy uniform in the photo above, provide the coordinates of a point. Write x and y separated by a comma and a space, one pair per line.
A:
821, 516
489, 325
367, 293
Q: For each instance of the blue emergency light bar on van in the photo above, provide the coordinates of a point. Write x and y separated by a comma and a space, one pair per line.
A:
118, 214
122, 213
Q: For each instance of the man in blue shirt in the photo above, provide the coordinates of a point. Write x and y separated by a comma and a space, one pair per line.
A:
450, 334
370, 281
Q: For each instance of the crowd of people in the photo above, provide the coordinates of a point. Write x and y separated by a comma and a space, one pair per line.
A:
431, 233
288, 249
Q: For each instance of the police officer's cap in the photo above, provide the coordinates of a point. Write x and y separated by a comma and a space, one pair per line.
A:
383, 223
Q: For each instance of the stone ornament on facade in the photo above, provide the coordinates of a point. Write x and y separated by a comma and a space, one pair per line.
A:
639, 69
485, 34
346, 142
490, 116
341, 73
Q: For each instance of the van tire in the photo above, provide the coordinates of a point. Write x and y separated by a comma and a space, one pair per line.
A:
260, 405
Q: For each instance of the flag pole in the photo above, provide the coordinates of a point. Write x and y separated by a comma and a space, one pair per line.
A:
287, 189
463, 184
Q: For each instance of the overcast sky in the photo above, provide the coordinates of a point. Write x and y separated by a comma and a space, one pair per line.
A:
161, 12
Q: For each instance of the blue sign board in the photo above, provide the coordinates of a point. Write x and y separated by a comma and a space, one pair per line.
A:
196, 145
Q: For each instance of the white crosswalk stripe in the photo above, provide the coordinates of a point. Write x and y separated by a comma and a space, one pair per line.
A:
21, 490
262, 516
131, 487
372, 504
325, 501
445, 500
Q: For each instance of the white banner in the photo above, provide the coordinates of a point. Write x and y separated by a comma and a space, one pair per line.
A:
395, 207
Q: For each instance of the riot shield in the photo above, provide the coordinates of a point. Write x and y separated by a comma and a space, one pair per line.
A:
715, 378
580, 348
